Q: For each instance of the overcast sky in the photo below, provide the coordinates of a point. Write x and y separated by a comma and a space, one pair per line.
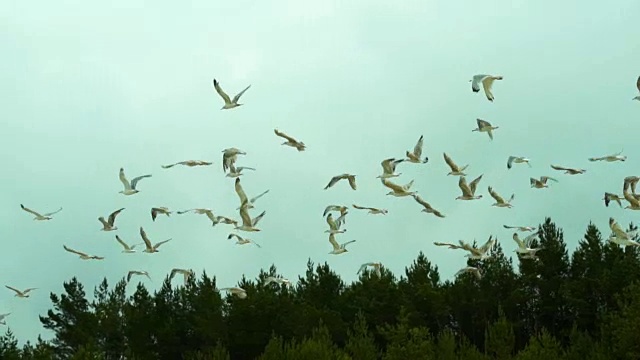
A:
88, 87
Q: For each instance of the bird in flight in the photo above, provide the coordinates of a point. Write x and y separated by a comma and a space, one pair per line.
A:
499, 200
524, 246
608, 197
427, 207
237, 291
21, 294
276, 280
40, 217
108, 225
127, 249
82, 255
638, 86
487, 83
372, 210
247, 223
517, 160
485, 126
468, 191
375, 265
398, 190
470, 269
187, 274
338, 248
137, 272
341, 208
521, 228
389, 168
570, 171
201, 211
481, 252
130, 188
235, 172
159, 210
290, 141
335, 179
228, 103
610, 158
416, 155
542, 183
229, 157
2, 317
241, 240
189, 163
455, 169
334, 226
147, 243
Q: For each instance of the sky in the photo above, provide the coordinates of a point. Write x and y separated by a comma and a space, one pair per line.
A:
88, 87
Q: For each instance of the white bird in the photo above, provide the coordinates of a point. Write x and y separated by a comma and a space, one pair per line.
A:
427, 207
517, 160
481, 252
130, 188
449, 245
235, 172
338, 248
638, 86
375, 265
631, 181
40, 217
82, 255
634, 203
487, 83
242, 241
228, 221
253, 199
108, 225
389, 168
189, 163
468, 191
485, 126
499, 200
335, 179
247, 223
237, 291
416, 155
455, 169
187, 274
229, 157
542, 183
290, 141
127, 249
278, 280
2, 317
622, 242
618, 232
21, 294
242, 195
334, 226
137, 272
398, 190
610, 158
228, 103
200, 211
569, 171
147, 243
159, 210
470, 269
608, 197
372, 210
521, 228
524, 245
341, 208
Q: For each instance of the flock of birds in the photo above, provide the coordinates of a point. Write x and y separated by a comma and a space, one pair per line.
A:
247, 223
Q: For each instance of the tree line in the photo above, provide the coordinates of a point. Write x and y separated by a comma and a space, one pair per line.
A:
579, 307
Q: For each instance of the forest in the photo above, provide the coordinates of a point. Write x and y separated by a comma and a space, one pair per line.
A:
581, 306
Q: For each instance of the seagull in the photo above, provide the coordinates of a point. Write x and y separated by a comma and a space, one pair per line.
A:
610, 158
189, 163
334, 226
415, 156
398, 190
229, 156
468, 191
185, 273
618, 232
237, 291
228, 221
338, 248
623, 242
375, 265
371, 210
478, 253
427, 207
83, 256
21, 294
130, 188
127, 249
241, 240
609, 196
455, 170
634, 203
108, 225
335, 179
542, 183
242, 195
569, 171
290, 141
2, 317
40, 217
389, 168
235, 172
638, 86
136, 272
487, 82
631, 181
517, 160
499, 200
523, 245
207, 212
247, 223
147, 243
253, 199
228, 103
520, 228
159, 210
277, 280
449, 245
485, 126
341, 208
470, 269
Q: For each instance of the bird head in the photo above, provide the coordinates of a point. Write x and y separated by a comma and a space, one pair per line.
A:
623, 158
426, 159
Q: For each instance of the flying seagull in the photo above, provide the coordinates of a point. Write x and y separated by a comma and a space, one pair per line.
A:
481, 252
468, 191
187, 274
200, 211
470, 269
241, 240
334, 226
638, 86
499, 200
609, 196
228, 103
108, 224
375, 265
398, 190
485, 126
127, 249
634, 203
449, 245
242, 195
189, 163
415, 156
389, 168
136, 272
159, 210
569, 171
253, 199
235, 172
237, 291
147, 243
455, 170
338, 248
247, 222
277, 280
290, 141
618, 232
341, 208
521, 228
630, 181
40, 217
610, 158
335, 179
2, 317
130, 188
542, 183
371, 209
487, 83
82, 255
21, 294
524, 245
517, 160
229, 156
427, 207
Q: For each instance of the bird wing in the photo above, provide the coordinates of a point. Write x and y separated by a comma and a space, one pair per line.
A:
54, 212
244, 214
510, 161
495, 195
544, 179
475, 86
136, 179
638, 83
555, 167
451, 246
256, 219
221, 92
241, 194
211, 217
157, 245
361, 207
332, 224
352, 182
520, 243
631, 199
482, 123
240, 168
462, 184
283, 135
30, 211
474, 184
363, 267
393, 186
527, 241
103, 221
253, 199
124, 180
488, 245
334, 243
333, 180
234, 235
487, 83
420, 201
387, 167
124, 244
237, 97
74, 251
450, 162
14, 289
146, 240
417, 150
330, 208
112, 217
347, 243
168, 166
28, 290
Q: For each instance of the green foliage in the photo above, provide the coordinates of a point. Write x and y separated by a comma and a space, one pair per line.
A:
580, 307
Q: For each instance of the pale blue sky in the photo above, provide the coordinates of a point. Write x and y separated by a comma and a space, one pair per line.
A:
88, 87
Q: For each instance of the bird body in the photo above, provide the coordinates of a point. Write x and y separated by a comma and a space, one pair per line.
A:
159, 210
398, 190
638, 86
137, 272
351, 178
371, 209
290, 141
524, 245
570, 171
237, 291
610, 158
389, 168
